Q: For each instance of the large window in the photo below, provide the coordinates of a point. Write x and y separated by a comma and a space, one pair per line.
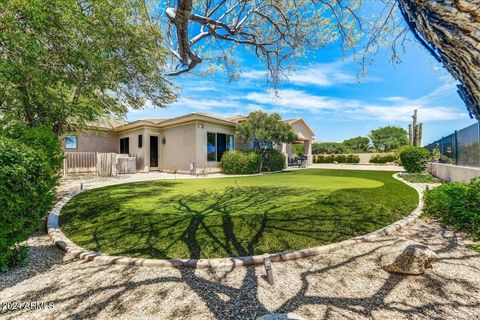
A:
217, 144
125, 146
211, 147
71, 142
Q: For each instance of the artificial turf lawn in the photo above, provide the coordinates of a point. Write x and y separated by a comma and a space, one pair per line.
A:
211, 218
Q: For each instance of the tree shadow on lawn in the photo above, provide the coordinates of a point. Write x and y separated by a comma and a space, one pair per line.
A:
236, 221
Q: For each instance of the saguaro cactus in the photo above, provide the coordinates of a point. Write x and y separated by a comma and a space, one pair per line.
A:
415, 131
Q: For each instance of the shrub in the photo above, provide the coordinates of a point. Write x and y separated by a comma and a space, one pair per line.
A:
28, 177
320, 158
457, 205
240, 162
383, 158
339, 158
353, 158
329, 148
414, 159
274, 160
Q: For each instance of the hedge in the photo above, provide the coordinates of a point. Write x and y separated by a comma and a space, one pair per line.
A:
240, 162
414, 159
274, 160
456, 205
383, 158
28, 177
339, 158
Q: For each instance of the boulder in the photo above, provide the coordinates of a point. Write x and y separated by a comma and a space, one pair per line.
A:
408, 257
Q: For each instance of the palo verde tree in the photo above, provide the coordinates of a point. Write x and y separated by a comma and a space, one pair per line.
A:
265, 132
67, 63
388, 138
357, 143
277, 31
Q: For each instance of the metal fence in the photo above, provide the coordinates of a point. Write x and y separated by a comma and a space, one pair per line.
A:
462, 147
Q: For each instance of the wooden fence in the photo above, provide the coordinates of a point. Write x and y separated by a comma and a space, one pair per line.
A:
101, 164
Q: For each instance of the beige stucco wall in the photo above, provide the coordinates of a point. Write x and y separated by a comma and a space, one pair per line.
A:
95, 141
179, 148
450, 172
300, 128
134, 150
201, 143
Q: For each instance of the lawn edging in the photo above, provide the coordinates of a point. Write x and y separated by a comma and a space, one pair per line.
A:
61, 241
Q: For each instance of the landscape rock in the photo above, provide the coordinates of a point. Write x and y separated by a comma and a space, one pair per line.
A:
408, 257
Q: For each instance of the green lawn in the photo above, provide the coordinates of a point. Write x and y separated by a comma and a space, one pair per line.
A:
209, 218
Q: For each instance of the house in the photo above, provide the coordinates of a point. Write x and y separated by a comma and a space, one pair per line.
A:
187, 143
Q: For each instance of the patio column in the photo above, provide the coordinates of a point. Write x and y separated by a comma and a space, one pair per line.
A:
307, 149
284, 151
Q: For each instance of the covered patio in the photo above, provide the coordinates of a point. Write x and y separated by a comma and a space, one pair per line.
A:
305, 136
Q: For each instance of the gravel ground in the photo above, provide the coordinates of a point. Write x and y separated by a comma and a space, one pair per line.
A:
346, 284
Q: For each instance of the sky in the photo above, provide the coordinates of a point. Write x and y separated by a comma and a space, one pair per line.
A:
325, 90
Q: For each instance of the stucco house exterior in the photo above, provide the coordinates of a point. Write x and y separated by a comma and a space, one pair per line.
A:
187, 143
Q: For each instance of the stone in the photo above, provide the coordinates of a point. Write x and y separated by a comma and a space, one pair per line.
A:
408, 257
280, 316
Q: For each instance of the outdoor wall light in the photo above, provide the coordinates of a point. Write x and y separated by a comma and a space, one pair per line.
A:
201, 125
164, 140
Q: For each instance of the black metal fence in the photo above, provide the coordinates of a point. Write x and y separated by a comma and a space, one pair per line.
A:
462, 147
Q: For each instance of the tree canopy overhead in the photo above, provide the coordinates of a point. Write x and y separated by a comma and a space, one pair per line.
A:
67, 63
276, 31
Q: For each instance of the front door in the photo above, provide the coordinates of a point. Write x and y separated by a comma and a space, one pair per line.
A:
153, 152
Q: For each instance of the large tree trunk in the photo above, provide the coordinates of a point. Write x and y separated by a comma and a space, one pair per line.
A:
452, 30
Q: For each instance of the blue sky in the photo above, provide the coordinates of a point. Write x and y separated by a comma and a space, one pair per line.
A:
325, 91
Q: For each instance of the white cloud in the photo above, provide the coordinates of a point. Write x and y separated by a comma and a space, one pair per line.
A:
320, 74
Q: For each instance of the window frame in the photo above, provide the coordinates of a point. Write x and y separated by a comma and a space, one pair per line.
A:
67, 137
215, 153
123, 145
215, 134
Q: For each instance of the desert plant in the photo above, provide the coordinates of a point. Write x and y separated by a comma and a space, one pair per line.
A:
457, 205
383, 158
414, 159
240, 162
274, 160
27, 184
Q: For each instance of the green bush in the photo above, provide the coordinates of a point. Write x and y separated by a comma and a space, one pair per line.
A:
383, 158
414, 159
353, 158
240, 162
320, 158
456, 205
339, 158
28, 176
274, 160
329, 148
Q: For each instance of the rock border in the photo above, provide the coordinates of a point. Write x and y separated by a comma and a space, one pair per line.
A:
61, 241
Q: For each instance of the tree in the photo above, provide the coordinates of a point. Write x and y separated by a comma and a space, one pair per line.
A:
445, 29
329, 148
68, 63
276, 31
388, 138
358, 143
265, 132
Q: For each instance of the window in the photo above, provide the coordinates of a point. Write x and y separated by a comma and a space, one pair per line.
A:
217, 144
140, 141
125, 145
71, 142
211, 147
